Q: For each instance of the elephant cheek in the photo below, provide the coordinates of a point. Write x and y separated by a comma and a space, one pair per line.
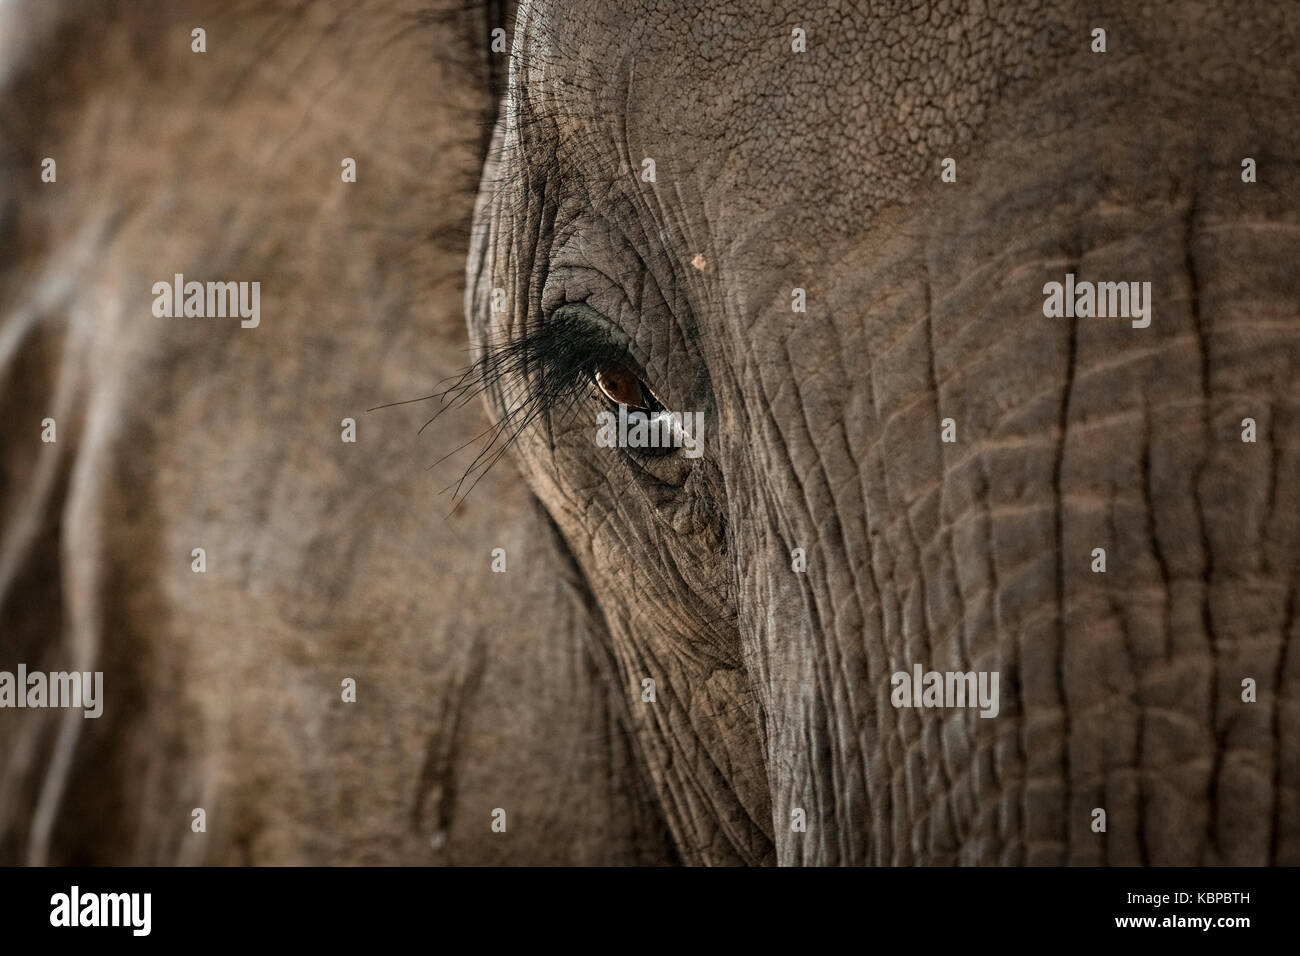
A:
1101, 512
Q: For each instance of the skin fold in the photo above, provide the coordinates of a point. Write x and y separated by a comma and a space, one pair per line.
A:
525, 690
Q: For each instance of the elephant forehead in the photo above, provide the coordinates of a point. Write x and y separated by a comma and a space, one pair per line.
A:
820, 110
816, 118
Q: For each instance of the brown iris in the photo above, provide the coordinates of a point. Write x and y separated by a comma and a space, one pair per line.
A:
621, 386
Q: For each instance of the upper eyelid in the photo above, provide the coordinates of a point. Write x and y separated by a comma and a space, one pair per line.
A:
620, 347
558, 283
554, 343
593, 318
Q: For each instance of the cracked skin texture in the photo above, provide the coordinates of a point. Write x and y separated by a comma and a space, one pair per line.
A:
818, 171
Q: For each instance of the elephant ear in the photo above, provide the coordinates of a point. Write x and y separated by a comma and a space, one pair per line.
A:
307, 654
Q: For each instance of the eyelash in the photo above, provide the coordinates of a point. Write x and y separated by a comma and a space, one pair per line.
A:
552, 363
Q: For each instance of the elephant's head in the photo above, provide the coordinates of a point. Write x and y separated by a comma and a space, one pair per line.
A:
833, 235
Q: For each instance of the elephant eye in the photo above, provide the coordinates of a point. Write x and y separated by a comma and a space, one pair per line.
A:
621, 386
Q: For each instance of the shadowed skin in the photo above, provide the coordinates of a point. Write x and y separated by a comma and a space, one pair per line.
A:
523, 691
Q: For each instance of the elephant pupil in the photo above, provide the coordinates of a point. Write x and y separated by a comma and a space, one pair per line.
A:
621, 386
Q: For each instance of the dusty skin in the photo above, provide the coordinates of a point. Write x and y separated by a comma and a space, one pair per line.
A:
523, 690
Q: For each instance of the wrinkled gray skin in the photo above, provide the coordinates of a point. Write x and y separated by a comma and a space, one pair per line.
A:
523, 691
1120, 691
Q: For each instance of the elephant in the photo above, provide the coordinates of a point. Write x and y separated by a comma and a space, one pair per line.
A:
968, 334
745, 212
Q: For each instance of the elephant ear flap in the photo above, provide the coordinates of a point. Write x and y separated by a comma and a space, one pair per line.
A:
45, 360
41, 424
